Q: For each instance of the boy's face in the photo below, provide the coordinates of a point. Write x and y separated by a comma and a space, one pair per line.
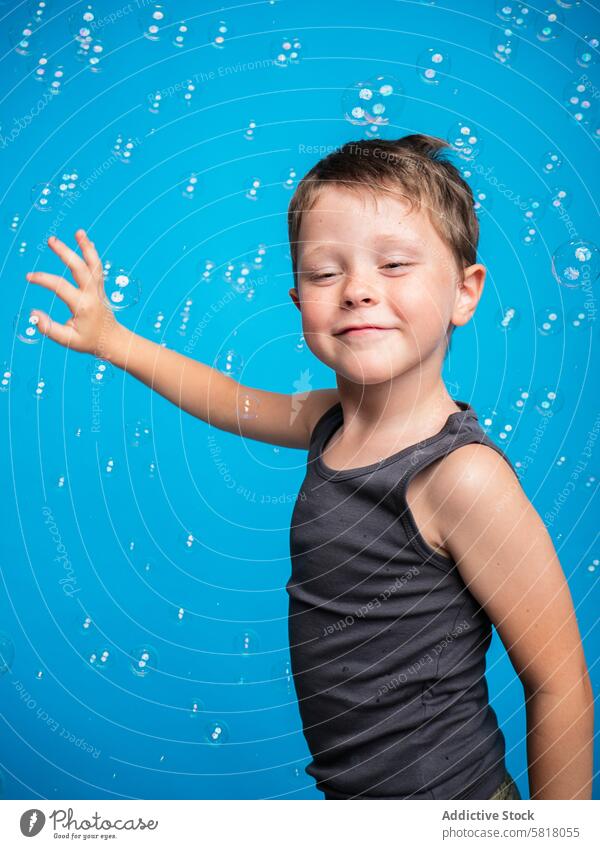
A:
365, 261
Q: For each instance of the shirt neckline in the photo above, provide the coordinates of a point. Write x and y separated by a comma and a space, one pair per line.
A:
335, 416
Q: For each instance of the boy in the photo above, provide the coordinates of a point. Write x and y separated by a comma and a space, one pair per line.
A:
413, 534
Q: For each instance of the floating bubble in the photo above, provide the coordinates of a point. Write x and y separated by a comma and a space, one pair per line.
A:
504, 45
184, 316
121, 289
6, 377
189, 91
15, 222
189, 541
207, 268
7, 653
156, 323
550, 162
229, 363
568, 4
68, 183
519, 399
20, 38
548, 321
250, 130
196, 708
26, 328
180, 34
109, 467
189, 187
561, 461
287, 51
123, 148
550, 25
252, 192
248, 406
579, 100
529, 235
433, 64
290, 178
517, 14
465, 139
101, 372
258, 256
247, 642
38, 388
282, 678
143, 660
153, 21
42, 196
547, 400
22, 248
217, 733
594, 566
100, 658
560, 198
39, 10
86, 625
496, 424
578, 318
155, 101
576, 263
219, 33
508, 318
82, 23
482, 202
374, 102
95, 54
586, 50
533, 210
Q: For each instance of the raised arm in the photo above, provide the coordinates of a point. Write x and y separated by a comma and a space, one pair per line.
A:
197, 388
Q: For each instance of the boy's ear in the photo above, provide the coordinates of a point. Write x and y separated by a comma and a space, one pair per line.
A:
468, 293
293, 293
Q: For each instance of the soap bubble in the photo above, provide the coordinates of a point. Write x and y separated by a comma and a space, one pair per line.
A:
519, 399
550, 162
433, 64
100, 372
229, 363
207, 268
123, 148
576, 263
153, 21
20, 38
246, 643
217, 732
249, 131
533, 210
287, 51
248, 406
578, 318
550, 25
465, 139
548, 321
586, 50
252, 192
189, 186
482, 202
7, 653
529, 235
374, 102
579, 100
496, 424
504, 45
518, 14
122, 291
143, 660
196, 708
289, 178
180, 34
100, 658
507, 319
218, 34
6, 377
26, 328
560, 198
547, 400
42, 196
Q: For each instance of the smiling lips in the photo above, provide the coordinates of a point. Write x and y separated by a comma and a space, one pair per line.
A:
362, 330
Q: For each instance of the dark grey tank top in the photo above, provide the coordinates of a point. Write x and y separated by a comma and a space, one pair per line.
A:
387, 643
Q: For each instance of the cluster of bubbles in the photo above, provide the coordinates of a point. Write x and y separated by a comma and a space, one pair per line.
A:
184, 316
576, 263
155, 101
121, 290
43, 72
15, 222
6, 377
188, 92
109, 467
217, 733
138, 432
504, 45
189, 541
21, 38
156, 323
218, 34
39, 388
495, 424
123, 148
547, 400
22, 248
433, 64
593, 565
287, 51
68, 184
578, 100
100, 659
560, 198
465, 139
26, 328
547, 321
521, 16
252, 191
247, 642
290, 178
42, 196
373, 103
207, 268
89, 49
550, 162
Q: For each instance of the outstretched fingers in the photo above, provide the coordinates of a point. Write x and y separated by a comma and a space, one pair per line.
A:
76, 265
90, 254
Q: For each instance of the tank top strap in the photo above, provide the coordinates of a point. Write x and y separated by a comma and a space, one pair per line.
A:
325, 427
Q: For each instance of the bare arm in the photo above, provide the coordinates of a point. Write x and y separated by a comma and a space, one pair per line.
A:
508, 562
197, 388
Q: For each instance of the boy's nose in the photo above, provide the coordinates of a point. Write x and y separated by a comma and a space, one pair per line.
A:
358, 290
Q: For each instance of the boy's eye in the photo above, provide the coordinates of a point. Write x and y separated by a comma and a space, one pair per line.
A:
395, 264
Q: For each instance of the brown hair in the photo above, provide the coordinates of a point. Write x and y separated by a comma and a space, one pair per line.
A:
415, 168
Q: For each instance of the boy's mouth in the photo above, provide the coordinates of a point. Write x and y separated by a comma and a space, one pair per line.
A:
362, 330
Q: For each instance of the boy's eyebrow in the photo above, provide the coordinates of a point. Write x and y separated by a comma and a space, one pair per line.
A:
388, 238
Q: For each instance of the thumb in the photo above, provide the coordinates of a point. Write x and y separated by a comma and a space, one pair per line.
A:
52, 329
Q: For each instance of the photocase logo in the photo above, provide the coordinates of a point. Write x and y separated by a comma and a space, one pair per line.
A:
32, 822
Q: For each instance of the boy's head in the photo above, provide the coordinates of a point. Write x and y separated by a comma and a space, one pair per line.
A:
384, 233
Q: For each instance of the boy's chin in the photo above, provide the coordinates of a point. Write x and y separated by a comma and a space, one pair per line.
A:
367, 374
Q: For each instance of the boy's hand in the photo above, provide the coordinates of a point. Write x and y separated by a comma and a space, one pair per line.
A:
92, 321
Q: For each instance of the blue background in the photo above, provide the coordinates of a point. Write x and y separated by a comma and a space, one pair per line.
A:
74, 726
